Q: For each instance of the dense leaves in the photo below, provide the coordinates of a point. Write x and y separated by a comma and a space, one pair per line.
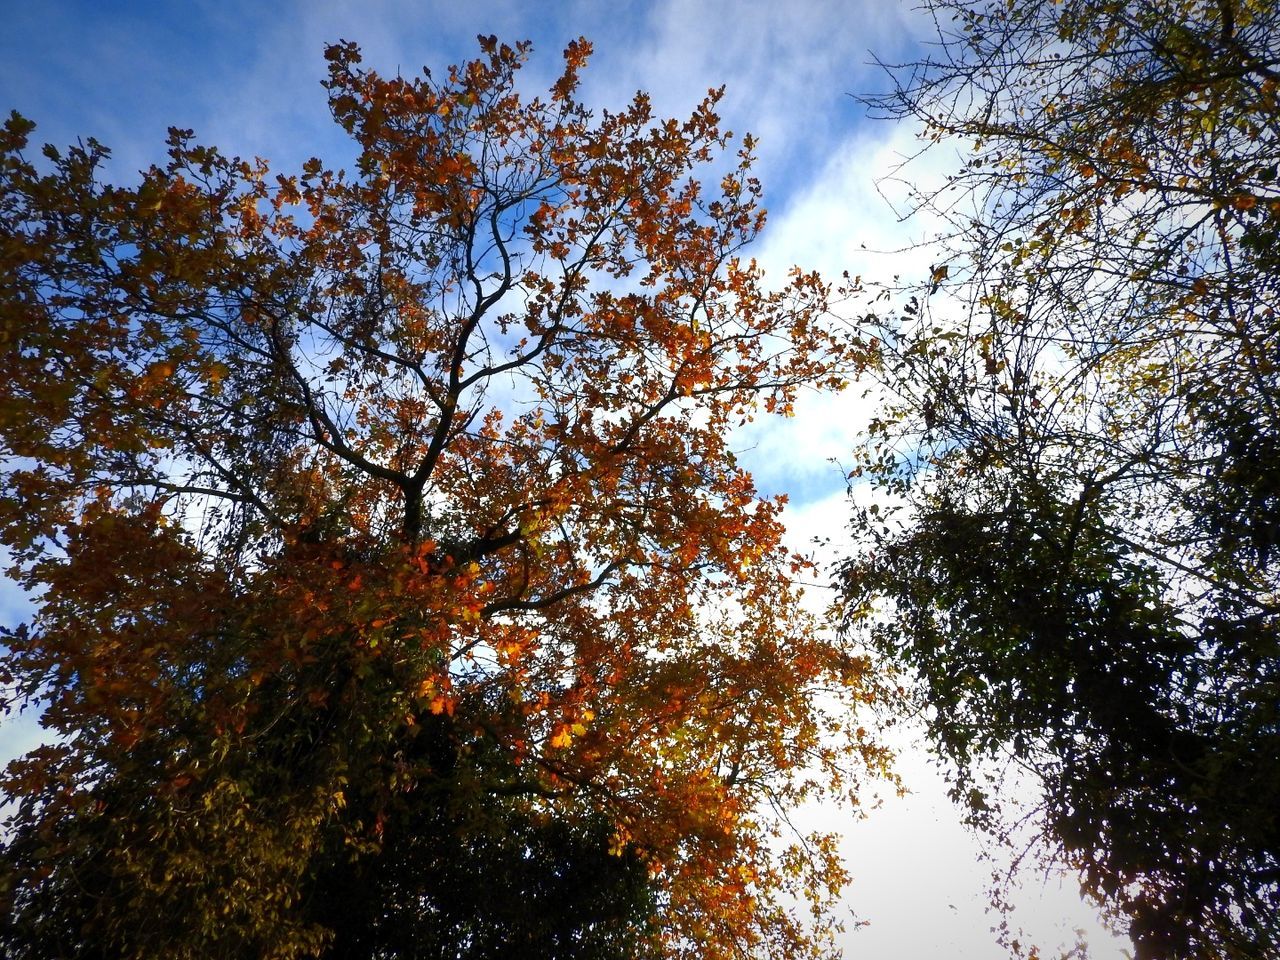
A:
297, 466
1080, 564
465, 874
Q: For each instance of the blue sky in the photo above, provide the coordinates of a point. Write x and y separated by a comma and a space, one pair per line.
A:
246, 77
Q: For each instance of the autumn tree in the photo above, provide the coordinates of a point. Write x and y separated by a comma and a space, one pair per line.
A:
383, 523
1079, 563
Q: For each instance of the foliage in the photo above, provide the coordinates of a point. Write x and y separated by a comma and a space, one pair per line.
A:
1080, 566
465, 875
297, 466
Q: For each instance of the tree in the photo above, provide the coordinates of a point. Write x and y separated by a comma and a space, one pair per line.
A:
297, 466
1079, 567
470, 876
458, 871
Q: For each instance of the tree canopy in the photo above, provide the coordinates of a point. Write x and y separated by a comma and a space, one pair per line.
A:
382, 529
1079, 565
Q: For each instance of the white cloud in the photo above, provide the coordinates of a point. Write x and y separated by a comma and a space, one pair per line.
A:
852, 215
838, 222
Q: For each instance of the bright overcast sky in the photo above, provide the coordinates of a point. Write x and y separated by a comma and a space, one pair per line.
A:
246, 77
